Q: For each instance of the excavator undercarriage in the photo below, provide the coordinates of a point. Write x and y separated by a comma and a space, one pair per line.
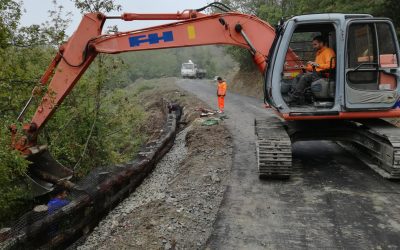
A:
376, 142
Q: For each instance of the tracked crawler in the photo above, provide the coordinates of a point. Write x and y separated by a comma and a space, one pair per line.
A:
376, 142
274, 152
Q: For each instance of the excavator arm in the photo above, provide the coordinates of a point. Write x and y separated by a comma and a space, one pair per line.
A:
192, 29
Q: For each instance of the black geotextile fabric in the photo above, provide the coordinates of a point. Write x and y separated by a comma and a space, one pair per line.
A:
93, 196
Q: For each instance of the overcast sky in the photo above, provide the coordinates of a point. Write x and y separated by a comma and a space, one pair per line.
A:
37, 11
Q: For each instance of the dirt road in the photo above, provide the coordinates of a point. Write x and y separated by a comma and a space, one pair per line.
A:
333, 201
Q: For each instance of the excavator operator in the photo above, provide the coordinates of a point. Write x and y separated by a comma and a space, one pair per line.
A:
324, 60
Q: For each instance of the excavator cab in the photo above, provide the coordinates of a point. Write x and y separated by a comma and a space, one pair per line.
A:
346, 103
361, 77
321, 92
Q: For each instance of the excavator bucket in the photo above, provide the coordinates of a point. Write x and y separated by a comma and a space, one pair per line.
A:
37, 186
44, 172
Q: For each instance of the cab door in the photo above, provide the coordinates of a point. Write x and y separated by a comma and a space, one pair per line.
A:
372, 68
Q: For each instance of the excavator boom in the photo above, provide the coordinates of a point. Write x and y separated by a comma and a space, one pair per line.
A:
75, 56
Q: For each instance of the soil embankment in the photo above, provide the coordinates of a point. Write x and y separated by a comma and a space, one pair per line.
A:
247, 83
176, 206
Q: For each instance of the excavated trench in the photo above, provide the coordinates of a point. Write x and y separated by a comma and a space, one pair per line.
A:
94, 196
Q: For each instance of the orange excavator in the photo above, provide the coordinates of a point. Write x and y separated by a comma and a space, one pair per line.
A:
347, 104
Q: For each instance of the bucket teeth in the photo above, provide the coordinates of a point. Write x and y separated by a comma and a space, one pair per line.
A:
45, 172
37, 186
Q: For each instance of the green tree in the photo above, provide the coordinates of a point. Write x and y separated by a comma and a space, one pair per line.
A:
272, 10
345, 6
390, 8
54, 29
96, 6
22, 63
12, 165
10, 14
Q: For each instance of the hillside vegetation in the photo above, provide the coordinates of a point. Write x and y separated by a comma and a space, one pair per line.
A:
101, 117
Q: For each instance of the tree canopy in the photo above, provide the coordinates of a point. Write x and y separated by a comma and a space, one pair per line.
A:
273, 10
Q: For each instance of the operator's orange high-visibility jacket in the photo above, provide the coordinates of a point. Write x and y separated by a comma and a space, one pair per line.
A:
221, 91
323, 58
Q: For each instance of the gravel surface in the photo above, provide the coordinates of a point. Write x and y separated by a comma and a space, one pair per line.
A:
333, 201
176, 205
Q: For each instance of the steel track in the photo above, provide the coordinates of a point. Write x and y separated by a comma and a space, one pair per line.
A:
374, 141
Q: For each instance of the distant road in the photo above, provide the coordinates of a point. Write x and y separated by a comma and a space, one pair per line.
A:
333, 201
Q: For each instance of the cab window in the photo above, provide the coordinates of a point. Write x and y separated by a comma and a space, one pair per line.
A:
370, 49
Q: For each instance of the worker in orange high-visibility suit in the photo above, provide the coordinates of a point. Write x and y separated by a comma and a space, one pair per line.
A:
221, 92
324, 60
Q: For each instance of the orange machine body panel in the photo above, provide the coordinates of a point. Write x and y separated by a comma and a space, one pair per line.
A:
87, 42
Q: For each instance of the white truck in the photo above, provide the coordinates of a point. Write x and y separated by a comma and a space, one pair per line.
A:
190, 70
